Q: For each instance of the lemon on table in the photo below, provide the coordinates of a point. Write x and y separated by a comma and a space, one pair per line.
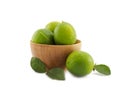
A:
79, 63
43, 36
52, 25
64, 34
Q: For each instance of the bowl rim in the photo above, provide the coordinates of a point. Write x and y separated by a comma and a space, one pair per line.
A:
76, 43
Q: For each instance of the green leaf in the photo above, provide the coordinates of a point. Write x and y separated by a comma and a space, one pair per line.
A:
37, 65
104, 69
56, 73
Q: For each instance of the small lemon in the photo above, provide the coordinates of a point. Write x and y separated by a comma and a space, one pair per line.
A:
52, 25
43, 36
79, 63
64, 34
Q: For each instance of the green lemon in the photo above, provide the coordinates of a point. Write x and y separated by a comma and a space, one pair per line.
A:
52, 25
64, 34
79, 63
43, 36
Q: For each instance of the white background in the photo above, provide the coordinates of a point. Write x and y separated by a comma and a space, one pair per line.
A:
97, 23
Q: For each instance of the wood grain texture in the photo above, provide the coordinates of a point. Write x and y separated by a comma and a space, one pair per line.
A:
53, 55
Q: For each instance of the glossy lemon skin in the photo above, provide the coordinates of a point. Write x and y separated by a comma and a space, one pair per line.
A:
64, 34
79, 63
43, 36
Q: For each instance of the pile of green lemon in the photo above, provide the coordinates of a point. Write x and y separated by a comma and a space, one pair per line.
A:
55, 33
79, 63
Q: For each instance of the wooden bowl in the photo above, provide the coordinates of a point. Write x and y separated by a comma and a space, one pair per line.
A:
53, 55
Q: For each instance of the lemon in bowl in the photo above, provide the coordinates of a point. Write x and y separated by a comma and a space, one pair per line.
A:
64, 34
43, 36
